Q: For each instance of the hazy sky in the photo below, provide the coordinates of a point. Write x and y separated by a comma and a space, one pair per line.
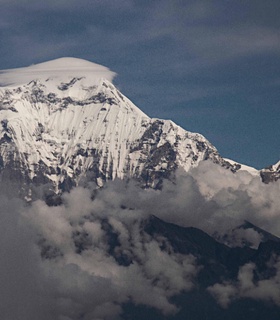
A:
212, 66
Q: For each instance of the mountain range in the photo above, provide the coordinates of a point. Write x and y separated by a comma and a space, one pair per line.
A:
65, 125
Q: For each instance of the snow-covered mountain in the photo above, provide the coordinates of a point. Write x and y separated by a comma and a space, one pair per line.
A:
63, 122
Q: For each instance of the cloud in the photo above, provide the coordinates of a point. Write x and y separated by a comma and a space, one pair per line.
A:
210, 198
25, 293
58, 68
90, 255
85, 258
247, 287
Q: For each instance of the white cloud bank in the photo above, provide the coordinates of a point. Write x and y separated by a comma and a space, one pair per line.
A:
96, 255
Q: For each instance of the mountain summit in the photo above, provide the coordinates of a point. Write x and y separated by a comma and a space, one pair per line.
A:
63, 123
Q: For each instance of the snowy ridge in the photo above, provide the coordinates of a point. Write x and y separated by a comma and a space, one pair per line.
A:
69, 124
244, 167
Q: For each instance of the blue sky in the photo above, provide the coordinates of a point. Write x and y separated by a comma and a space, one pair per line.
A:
212, 67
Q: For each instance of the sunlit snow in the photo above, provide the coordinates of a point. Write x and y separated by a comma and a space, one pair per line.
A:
67, 115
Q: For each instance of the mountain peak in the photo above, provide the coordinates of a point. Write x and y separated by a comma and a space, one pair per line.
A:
60, 68
63, 123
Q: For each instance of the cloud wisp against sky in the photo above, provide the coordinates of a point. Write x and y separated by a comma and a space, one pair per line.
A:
211, 66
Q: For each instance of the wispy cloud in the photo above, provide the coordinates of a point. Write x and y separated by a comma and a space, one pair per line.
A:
245, 287
197, 28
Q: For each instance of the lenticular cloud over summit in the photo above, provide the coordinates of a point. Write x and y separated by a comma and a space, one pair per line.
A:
58, 68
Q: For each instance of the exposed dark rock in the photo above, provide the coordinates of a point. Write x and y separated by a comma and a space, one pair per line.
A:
269, 176
65, 86
219, 261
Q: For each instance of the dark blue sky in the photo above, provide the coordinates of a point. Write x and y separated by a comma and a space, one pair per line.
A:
212, 67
